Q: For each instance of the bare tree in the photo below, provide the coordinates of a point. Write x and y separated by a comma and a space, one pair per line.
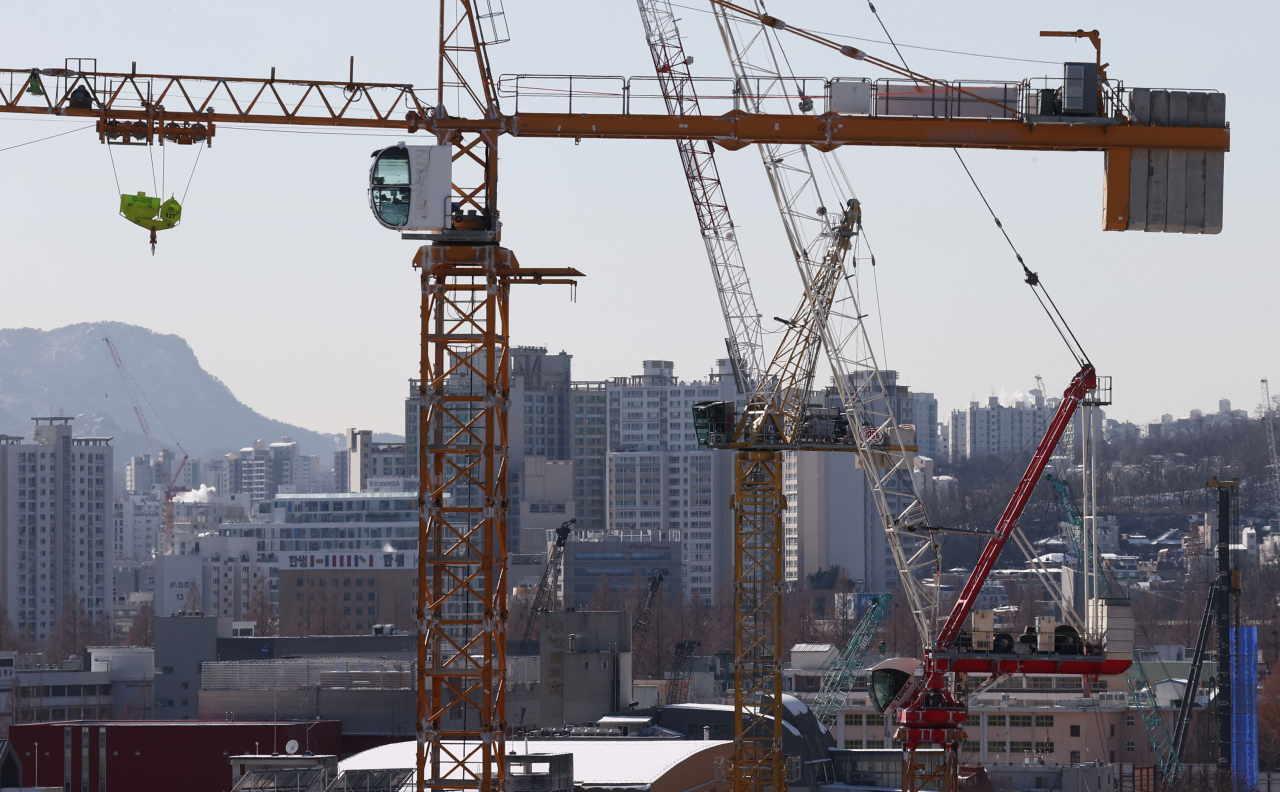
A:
142, 631
74, 630
899, 631
194, 602
321, 615
260, 610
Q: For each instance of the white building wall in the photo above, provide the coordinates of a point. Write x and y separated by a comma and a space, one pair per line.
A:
142, 519
661, 483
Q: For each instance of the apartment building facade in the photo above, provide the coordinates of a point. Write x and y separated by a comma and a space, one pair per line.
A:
660, 485
55, 524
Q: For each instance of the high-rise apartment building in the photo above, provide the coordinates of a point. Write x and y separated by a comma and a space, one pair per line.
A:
540, 385
368, 466
144, 475
263, 469
139, 519
924, 417
660, 484
139, 475
590, 446
412, 434
831, 518
55, 515
537, 424
996, 429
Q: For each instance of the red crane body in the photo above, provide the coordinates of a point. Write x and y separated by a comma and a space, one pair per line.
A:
932, 714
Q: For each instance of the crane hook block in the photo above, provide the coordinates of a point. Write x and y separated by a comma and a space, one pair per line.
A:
148, 212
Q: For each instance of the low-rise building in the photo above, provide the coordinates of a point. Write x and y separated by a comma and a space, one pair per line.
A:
346, 593
618, 561
155, 756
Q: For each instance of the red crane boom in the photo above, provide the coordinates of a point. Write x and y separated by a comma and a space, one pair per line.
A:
933, 714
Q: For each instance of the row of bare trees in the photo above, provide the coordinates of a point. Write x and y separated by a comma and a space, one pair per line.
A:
808, 617
74, 630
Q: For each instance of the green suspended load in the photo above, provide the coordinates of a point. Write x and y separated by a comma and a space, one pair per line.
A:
147, 211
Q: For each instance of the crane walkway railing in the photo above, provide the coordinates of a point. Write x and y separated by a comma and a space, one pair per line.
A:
886, 97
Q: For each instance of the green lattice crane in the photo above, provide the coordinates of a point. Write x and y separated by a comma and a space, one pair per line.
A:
1144, 697
839, 680
1075, 534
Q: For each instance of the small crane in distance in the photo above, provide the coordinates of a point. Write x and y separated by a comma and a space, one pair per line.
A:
1268, 418
644, 613
839, 679
170, 481
545, 594
681, 670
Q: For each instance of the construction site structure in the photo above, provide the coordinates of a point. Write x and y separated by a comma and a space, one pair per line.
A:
1269, 426
935, 712
643, 620
170, 480
681, 671
844, 669
1234, 699
466, 277
1227, 584
544, 594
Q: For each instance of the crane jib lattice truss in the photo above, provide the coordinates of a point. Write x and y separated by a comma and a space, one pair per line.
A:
466, 277
840, 677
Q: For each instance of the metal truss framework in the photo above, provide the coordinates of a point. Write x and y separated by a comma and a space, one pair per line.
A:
807, 217
931, 773
838, 681
462, 545
462, 600
462, 589
758, 580
737, 303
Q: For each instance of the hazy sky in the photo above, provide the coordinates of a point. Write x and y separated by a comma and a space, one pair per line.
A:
290, 293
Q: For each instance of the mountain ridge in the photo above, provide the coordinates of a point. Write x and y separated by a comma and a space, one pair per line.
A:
69, 370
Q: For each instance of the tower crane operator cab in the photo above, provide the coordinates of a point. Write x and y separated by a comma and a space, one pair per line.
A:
410, 187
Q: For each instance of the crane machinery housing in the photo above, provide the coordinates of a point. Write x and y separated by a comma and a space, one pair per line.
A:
1163, 158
